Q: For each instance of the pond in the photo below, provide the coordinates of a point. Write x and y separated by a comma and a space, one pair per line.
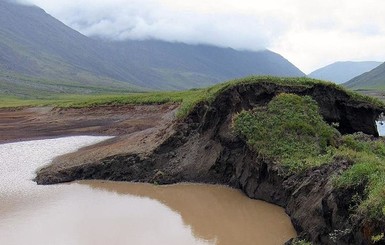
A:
102, 212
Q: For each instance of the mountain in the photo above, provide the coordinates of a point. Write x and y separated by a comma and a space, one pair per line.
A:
374, 79
340, 72
180, 66
41, 55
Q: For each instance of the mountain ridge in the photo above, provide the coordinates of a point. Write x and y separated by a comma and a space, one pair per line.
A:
343, 71
39, 54
372, 80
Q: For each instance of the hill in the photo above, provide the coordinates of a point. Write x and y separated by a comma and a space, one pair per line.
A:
39, 56
291, 142
343, 71
372, 80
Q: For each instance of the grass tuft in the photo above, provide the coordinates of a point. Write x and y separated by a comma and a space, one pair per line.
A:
368, 170
290, 130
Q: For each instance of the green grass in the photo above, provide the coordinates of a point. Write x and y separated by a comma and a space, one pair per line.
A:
290, 130
368, 170
24, 87
211, 93
188, 98
293, 81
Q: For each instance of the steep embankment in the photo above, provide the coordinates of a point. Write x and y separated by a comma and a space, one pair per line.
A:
204, 148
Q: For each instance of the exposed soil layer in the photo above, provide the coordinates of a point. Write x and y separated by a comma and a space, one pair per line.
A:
47, 122
203, 148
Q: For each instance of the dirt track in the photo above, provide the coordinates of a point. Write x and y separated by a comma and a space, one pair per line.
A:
48, 122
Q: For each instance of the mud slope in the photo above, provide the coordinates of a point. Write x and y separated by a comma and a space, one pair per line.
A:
203, 148
47, 122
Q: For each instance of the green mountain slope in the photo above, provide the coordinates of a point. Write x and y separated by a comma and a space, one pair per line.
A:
39, 54
372, 80
343, 71
164, 65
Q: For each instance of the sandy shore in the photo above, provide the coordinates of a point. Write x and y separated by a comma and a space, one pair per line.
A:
48, 122
136, 128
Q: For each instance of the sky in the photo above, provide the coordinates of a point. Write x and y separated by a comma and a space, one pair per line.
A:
309, 33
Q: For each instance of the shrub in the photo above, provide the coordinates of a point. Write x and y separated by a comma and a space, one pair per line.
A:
290, 130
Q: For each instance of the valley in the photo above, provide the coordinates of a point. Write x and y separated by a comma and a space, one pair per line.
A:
157, 122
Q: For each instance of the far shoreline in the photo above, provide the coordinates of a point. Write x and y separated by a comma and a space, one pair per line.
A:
38, 123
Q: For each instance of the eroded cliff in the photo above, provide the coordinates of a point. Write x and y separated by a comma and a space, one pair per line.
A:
204, 148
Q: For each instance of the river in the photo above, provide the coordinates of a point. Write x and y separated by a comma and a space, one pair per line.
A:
102, 212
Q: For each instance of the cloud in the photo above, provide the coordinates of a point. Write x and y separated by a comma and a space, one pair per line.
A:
166, 20
338, 30
308, 33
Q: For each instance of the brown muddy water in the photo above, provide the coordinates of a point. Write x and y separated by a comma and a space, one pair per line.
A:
102, 212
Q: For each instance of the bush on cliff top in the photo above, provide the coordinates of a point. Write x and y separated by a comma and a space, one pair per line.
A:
291, 131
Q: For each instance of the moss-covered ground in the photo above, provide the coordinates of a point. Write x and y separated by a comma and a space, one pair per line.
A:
291, 131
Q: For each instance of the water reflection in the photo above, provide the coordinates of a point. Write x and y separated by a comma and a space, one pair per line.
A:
215, 213
80, 215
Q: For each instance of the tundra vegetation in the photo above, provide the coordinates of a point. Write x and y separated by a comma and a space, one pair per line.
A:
188, 98
289, 130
